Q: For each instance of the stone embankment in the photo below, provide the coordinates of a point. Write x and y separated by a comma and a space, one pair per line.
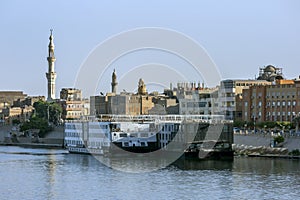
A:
262, 145
259, 150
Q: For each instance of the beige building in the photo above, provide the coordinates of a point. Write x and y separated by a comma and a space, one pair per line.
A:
74, 106
21, 114
163, 104
199, 101
124, 103
121, 104
7, 98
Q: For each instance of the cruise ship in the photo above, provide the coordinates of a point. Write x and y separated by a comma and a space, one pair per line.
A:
112, 134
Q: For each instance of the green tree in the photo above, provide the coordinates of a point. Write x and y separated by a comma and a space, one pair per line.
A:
49, 111
239, 124
45, 114
36, 123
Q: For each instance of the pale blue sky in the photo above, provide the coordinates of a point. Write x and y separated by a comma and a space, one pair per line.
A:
240, 36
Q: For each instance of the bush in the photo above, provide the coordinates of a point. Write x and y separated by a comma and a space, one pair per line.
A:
295, 152
278, 139
15, 121
36, 123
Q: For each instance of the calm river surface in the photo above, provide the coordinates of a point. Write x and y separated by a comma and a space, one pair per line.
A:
53, 174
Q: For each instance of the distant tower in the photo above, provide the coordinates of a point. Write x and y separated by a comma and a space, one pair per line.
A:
142, 87
114, 82
51, 75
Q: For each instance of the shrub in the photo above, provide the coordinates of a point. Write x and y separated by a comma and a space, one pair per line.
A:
278, 139
295, 152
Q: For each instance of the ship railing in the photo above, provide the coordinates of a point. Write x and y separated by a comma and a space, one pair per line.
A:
155, 118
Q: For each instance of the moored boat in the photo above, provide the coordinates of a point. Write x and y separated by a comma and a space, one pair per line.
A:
209, 149
117, 134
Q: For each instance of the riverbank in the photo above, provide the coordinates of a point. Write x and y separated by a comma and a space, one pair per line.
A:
244, 144
261, 145
53, 140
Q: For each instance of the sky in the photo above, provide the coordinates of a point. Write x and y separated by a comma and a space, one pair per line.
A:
239, 37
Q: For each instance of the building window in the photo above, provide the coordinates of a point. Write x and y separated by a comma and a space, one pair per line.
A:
283, 103
259, 104
278, 113
273, 94
289, 103
283, 113
246, 104
294, 103
278, 103
278, 94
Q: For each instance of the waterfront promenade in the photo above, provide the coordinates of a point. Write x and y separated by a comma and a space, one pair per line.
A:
291, 142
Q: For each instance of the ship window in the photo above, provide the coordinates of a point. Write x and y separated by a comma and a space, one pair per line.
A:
133, 134
123, 134
144, 134
142, 144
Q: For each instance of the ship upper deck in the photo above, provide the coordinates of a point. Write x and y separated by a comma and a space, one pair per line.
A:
211, 119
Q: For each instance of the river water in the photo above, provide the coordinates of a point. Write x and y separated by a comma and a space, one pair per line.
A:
55, 174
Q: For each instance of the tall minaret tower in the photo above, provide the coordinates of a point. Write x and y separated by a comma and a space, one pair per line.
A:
51, 75
114, 82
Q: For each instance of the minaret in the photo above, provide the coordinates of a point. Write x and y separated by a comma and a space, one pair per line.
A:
114, 82
51, 75
142, 87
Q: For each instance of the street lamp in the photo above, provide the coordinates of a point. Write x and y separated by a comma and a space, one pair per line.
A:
265, 126
254, 123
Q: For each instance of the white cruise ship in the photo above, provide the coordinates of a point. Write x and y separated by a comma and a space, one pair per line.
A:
142, 134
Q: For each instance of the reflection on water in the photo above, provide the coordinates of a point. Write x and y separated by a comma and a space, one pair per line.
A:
51, 174
203, 165
266, 166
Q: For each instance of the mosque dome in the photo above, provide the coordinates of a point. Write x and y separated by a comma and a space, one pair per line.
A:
270, 68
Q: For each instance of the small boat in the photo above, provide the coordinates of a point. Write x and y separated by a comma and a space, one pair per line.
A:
209, 149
